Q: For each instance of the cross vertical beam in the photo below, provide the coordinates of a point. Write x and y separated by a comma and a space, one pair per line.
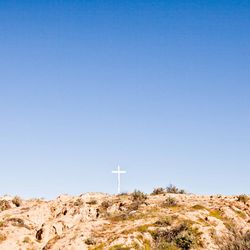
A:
118, 172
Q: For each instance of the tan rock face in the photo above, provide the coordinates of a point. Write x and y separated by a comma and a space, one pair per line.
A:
101, 221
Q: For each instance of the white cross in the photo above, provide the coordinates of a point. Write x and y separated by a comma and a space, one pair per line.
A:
118, 172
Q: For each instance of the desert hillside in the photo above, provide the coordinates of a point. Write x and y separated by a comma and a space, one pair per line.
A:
161, 220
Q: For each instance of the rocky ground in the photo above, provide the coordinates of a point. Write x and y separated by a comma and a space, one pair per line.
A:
129, 221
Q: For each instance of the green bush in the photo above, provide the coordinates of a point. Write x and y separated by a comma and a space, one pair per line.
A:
182, 236
184, 242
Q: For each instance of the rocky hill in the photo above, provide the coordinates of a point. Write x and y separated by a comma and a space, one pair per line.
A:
129, 221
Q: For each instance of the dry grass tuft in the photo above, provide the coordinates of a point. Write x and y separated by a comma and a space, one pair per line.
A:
198, 207
26, 239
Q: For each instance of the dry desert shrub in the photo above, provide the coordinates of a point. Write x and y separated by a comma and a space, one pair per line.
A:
170, 202
92, 202
134, 206
78, 202
236, 239
17, 201
158, 190
174, 190
4, 205
106, 204
138, 196
183, 236
103, 208
90, 241
243, 198
164, 222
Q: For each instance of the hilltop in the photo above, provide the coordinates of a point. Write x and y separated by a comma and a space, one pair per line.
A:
128, 221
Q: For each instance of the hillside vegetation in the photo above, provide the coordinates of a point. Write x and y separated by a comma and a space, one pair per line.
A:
166, 219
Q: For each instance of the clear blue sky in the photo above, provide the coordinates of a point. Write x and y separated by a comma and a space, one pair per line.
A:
160, 87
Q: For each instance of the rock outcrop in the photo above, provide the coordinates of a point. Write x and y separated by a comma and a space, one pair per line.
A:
101, 221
